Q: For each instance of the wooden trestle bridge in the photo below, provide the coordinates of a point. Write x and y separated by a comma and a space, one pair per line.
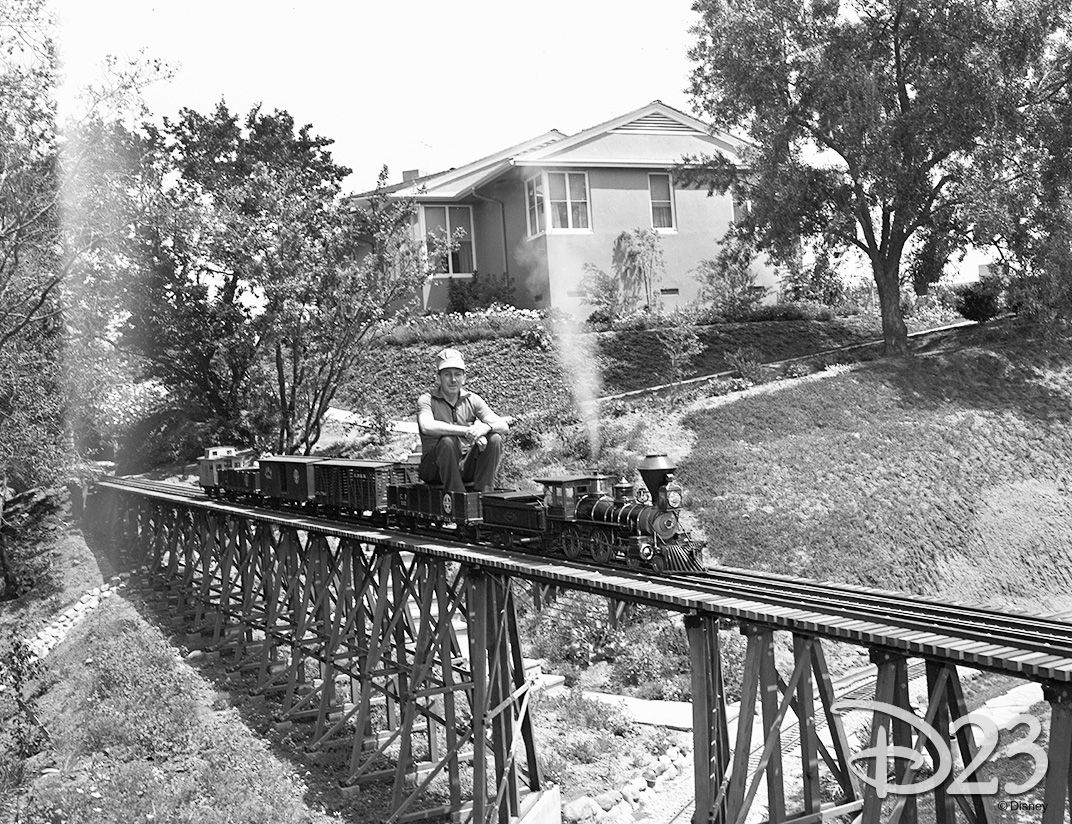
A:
354, 629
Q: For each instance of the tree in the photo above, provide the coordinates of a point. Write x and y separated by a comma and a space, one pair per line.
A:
866, 119
1028, 219
727, 281
261, 287
367, 267
638, 258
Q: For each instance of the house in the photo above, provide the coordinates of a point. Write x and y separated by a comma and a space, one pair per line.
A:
539, 211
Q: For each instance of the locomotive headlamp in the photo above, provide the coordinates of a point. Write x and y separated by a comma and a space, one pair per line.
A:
673, 498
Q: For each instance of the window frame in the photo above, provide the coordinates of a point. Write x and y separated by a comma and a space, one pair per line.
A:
544, 176
673, 206
446, 207
567, 230
541, 211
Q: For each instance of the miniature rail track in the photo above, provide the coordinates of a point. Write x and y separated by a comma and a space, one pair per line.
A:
1031, 646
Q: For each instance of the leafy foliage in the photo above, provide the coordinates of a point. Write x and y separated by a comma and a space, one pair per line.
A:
817, 283
478, 292
638, 265
680, 346
978, 301
866, 127
728, 282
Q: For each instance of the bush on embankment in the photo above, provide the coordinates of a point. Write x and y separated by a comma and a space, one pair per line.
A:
953, 467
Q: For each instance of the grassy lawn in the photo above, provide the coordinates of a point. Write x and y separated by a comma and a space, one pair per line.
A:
946, 474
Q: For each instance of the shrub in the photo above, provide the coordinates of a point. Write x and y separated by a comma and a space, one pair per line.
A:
727, 281
495, 321
478, 292
978, 301
796, 370
680, 344
571, 629
537, 338
794, 310
603, 291
819, 283
745, 362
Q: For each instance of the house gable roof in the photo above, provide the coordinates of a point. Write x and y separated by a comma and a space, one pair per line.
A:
459, 181
653, 136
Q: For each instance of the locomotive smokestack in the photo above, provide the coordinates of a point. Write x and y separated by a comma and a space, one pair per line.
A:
654, 469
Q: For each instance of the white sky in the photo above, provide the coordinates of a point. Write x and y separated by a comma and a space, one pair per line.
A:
417, 84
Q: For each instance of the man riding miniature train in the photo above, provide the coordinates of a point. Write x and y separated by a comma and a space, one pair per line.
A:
461, 437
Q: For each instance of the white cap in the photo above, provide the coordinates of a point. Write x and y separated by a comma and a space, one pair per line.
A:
449, 359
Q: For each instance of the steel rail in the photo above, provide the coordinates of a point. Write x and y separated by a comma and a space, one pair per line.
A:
970, 643
905, 611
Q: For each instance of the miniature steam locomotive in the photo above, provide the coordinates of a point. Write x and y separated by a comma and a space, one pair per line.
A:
583, 516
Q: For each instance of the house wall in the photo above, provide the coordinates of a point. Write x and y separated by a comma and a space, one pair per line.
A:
526, 259
619, 201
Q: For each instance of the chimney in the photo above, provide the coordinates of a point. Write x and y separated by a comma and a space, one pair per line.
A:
410, 174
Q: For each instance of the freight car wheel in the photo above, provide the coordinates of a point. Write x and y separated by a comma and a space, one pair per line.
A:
602, 548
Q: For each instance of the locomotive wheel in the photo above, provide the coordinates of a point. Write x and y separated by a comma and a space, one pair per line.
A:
632, 562
602, 548
572, 547
660, 563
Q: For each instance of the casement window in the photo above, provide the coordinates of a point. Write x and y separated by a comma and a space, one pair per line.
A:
453, 223
567, 193
534, 200
661, 191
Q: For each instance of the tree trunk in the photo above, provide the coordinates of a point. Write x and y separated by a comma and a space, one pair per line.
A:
888, 280
6, 573
284, 411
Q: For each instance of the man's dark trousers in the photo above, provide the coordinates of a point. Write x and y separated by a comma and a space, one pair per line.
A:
444, 465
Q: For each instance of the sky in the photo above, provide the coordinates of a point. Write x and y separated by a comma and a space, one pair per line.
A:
413, 85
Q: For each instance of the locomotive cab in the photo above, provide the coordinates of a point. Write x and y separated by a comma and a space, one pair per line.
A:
562, 494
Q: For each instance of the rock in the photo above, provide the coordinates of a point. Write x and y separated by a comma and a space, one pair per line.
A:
632, 789
608, 799
663, 764
649, 775
620, 813
665, 779
195, 656
580, 810
673, 753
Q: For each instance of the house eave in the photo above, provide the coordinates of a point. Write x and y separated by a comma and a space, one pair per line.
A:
608, 164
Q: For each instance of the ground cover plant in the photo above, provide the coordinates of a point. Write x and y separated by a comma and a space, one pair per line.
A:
945, 473
136, 735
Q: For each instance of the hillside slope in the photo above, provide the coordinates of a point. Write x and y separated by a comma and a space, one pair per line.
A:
948, 475
516, 378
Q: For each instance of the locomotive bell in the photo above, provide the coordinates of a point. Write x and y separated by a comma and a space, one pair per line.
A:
654, 470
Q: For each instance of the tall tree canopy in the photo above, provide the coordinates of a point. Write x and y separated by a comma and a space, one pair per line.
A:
867, 119
258, 286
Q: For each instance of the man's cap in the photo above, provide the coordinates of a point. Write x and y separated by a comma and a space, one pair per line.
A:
449, 359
